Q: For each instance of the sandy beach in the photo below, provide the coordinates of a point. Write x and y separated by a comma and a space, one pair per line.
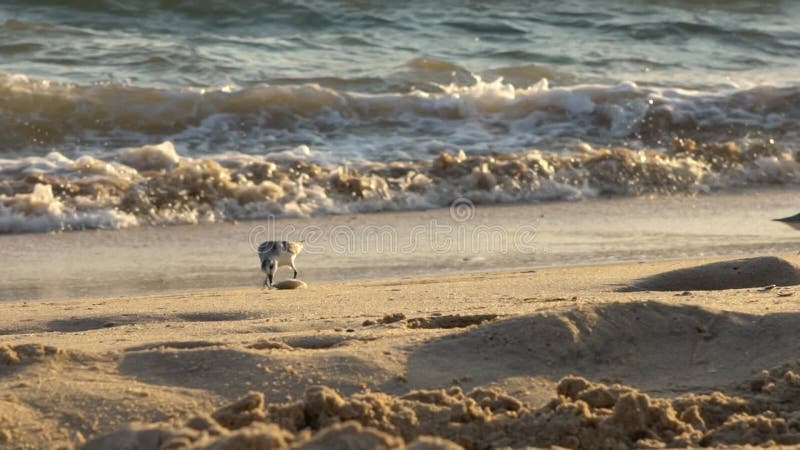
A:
500, 359
523, 225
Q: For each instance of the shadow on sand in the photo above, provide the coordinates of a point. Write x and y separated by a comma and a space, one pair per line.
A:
650, 345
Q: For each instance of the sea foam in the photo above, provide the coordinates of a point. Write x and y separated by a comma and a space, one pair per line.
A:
154, 185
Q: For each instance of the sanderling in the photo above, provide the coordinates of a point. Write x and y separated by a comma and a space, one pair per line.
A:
274, 254
792, 221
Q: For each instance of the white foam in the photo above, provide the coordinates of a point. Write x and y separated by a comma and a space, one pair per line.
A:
51, 163
57, 193
299, 153
40, 211
40, 201
150, 157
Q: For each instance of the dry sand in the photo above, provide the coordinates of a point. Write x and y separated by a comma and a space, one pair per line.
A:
526, 358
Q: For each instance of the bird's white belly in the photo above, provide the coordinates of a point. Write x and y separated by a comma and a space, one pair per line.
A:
284, 259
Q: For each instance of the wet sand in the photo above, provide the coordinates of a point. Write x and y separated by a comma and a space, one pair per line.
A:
150, 260
518, 355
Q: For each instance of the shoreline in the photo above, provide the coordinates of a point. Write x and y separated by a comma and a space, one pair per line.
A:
380, 245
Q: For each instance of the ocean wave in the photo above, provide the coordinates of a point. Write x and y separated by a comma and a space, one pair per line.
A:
14, 28
470, 115
205, 43
209, 10
680, 31
155, 185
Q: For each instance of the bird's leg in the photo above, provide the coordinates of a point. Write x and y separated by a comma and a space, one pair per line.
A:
267, 282
269, 267
273, 267
295, 270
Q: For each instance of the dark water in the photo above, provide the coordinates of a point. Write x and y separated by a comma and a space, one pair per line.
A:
371, 46
377, 82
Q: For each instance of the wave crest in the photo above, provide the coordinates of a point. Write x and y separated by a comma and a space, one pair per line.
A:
40, 113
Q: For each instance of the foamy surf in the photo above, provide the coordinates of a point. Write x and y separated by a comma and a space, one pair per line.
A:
155, 185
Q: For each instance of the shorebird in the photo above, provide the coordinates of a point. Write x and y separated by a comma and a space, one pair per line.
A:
792, 221
274, 254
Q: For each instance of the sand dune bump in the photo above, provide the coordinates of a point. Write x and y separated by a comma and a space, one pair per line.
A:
735, 274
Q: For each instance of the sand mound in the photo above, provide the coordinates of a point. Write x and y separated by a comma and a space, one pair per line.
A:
28, 353
581, 415
737, 274
276, 370
651, 345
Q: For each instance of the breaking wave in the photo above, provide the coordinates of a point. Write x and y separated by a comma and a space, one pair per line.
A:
476, 116
155, 185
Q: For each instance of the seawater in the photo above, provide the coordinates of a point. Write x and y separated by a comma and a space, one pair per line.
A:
117, 114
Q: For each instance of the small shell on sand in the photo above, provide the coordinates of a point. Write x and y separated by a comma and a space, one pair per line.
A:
290, 284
